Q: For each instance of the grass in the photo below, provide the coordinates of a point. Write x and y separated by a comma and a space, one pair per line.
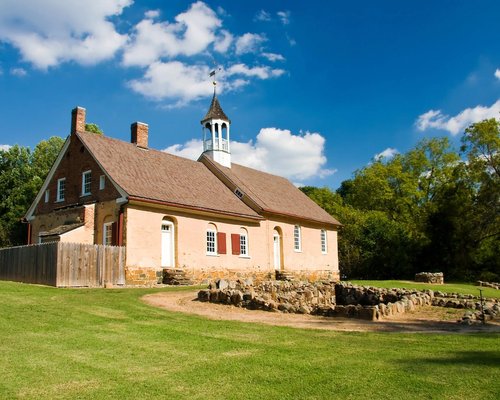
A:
463, 288
107, 344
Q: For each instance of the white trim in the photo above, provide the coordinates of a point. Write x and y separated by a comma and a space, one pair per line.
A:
31, 210
211, 253
60, 198
105, 227
297, 229
84, 174
324, 241
244, 234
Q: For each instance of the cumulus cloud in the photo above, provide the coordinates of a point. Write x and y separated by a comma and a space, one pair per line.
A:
273, 57
497, 73
262, 72
262, 15
152, 14
284, 17
173, 80
19, 72
192, 32
386, 154
249, 43
435, 119
277, 151
223, 41
5, 147
59, 31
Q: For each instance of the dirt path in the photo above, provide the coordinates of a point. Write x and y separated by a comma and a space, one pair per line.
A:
429, 319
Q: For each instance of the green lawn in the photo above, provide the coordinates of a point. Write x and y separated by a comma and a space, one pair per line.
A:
106, 343
464, 288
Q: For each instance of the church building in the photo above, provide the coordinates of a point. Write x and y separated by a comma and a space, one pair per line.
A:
209, 218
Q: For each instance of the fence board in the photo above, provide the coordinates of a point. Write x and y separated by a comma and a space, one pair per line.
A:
64, 264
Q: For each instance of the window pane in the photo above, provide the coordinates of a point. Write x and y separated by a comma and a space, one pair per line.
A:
243, 245
323, 241
211, 242
296, 237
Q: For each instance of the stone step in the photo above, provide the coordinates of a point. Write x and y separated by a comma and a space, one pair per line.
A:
176, 277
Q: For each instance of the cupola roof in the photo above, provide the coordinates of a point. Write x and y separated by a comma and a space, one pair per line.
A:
215, 111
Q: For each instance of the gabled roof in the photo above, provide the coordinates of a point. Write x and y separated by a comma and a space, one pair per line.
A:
215, 111
273, 194
162, 177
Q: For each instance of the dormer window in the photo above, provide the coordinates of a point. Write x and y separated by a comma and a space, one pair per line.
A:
61, 189
86, 182
238, 193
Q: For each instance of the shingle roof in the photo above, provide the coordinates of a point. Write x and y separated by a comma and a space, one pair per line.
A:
159, 176
59, 230
215, 111
274, 194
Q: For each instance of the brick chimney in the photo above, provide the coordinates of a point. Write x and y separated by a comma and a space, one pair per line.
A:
139, 134
78, 120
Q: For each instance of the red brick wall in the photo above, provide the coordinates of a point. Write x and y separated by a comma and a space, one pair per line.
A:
75, 161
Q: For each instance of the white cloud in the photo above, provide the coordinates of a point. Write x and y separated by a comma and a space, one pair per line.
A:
278, 151
152, 14
19, 72
57, 31
193, 31
249, 43
5, 147
284, 17
437, 120
273, 57
223, 41
262, 15
174, 81
497, 73
386, 154
263, 72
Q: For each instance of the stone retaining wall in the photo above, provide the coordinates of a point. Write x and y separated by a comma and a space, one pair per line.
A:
493, 285
331, 299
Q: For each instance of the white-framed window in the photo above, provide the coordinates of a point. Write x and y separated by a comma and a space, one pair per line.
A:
211, 241
243, 243
297, 240
47, 195
61, 189
107, 234
102, 182
86, 183
324, 245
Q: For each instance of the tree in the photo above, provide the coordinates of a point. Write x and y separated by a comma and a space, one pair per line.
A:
94, 128
22, 173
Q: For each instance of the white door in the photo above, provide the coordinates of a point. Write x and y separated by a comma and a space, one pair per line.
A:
277, 251
167, 244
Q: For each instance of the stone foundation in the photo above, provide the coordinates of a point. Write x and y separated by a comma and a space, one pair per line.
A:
137, 276
436, 278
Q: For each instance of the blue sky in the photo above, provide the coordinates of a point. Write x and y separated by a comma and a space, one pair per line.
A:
314, 89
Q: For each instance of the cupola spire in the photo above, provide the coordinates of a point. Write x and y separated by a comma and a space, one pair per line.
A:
216, 131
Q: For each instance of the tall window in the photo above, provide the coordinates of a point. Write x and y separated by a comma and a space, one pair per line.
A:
102, 182
243, 243
47, 196
296, 238
61, 189
324, 248
211, 240
107, 235
86, 182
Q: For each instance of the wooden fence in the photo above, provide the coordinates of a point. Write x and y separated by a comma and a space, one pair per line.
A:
64, 264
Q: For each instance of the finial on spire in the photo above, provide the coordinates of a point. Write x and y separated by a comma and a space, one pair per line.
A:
212, 74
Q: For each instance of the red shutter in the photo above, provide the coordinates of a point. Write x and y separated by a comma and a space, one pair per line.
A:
235, 244
114, 234
221, 243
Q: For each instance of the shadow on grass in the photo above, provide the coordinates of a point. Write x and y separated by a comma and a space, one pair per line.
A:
482, 358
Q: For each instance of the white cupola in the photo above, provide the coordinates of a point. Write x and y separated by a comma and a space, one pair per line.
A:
216, 134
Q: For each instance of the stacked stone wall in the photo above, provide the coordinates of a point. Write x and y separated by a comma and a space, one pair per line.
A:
436, 278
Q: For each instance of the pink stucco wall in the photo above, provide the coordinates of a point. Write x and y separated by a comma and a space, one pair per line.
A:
143, 242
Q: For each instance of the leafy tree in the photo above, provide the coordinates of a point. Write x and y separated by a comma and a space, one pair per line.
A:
22, 173
94, 128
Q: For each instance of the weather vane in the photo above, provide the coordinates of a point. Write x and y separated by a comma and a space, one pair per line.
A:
212, 74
